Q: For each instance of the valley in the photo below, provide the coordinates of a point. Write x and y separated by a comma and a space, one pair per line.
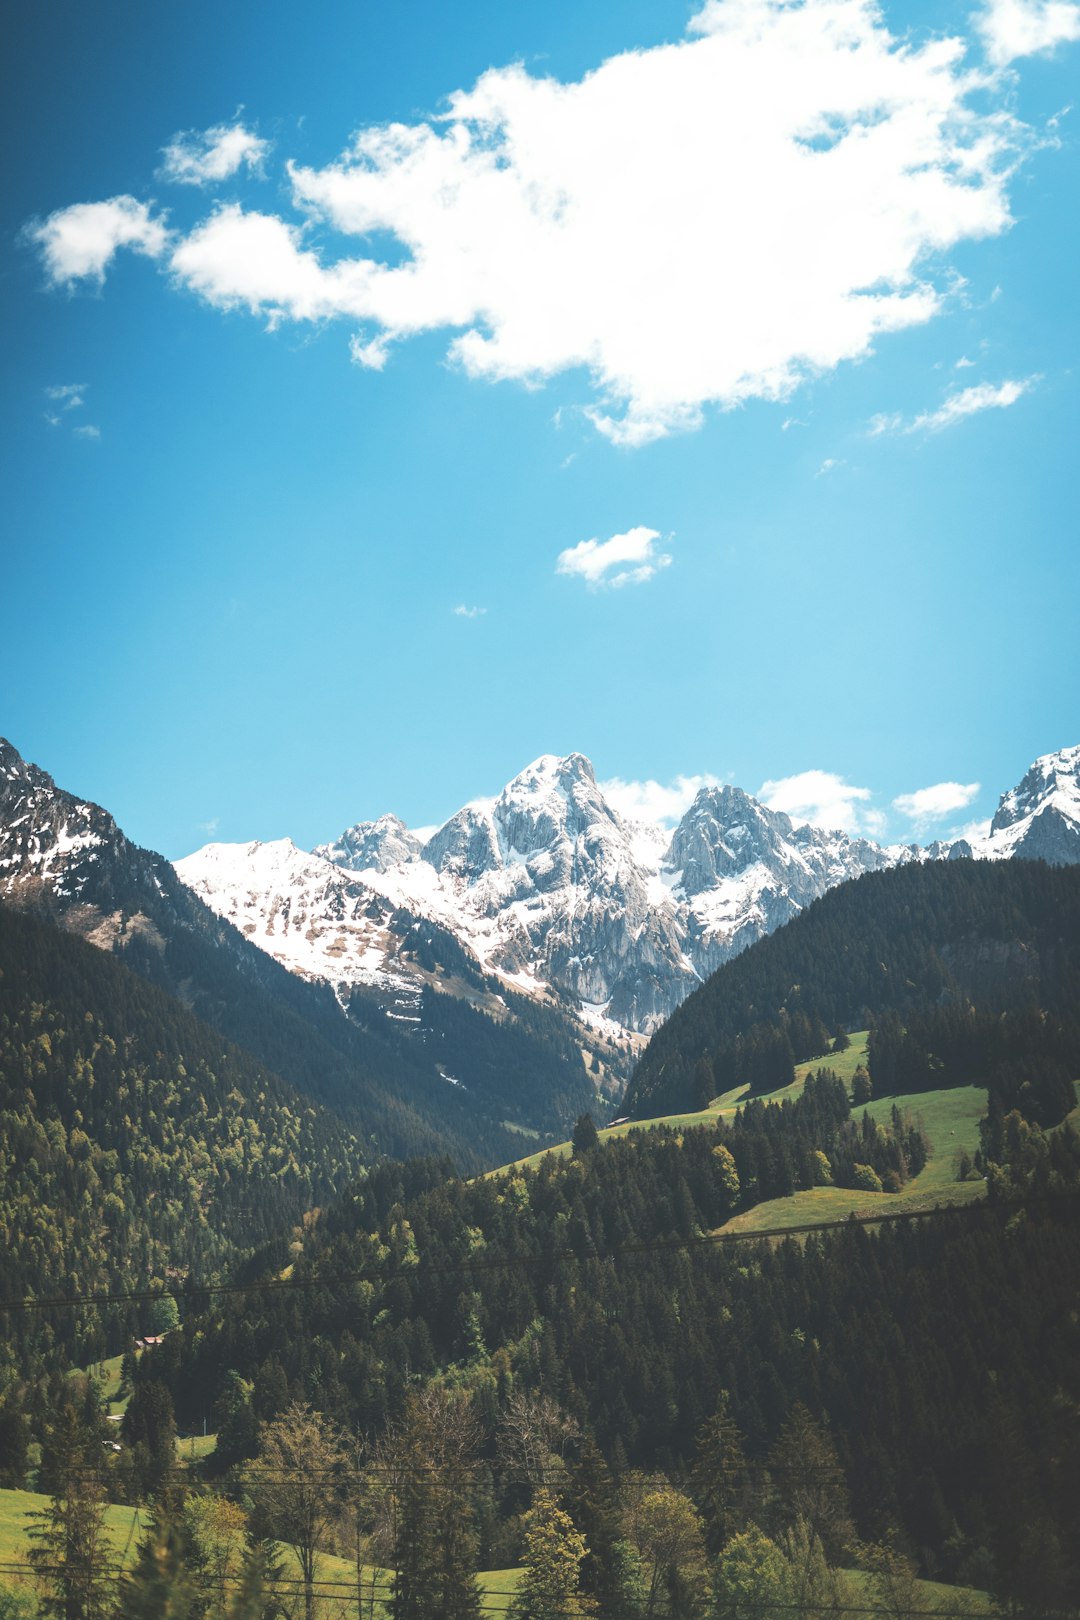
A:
848, 1156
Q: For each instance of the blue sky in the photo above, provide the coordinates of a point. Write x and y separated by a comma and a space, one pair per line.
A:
781, 300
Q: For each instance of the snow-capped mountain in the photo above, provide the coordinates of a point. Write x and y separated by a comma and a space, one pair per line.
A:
317, 918
547, 887
280, 983
1040, 818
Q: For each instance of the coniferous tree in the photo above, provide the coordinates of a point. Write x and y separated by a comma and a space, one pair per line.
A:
720, 1480
160, 1586
594, 1507
71, 1556
550, 1587
810, 1484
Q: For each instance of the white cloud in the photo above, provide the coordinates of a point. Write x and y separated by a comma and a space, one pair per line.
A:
625, 559
823, 799
981, 397
829, 465
930, 804
697, 224
87, 431
975, 831
963, 363
464, 612
659, 803
1015, 28
69, 396
202, 157
78, 243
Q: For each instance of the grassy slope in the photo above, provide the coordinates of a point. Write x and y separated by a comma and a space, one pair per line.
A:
950, 1119
126, 1526
15, 1505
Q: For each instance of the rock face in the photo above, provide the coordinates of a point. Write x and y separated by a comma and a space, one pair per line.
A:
1039, 819
317, 918
741, 870
379, 844
68, 859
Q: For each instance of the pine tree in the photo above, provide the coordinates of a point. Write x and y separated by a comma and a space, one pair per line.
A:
595, 1509
71, 1556
160, 1586
720, 1479
586, 1138
435, 1546
554, 1550
810, 1483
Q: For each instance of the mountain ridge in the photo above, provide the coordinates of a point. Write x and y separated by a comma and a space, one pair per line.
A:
552, 891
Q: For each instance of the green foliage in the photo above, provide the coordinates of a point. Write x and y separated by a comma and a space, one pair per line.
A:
750, 1578
163, 1315
584, 1289
585, 1139
425, 1463
862, 1088
149, 1436
70, 1553
810, 1485
295, 1485
666, 1529
554, 1549
160, 1587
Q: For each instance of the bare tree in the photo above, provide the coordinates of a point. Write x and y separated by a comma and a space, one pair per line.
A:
534, 1437
296, 1484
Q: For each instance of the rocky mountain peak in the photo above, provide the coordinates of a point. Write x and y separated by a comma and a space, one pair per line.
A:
380, 844
723, 833
48, 838
1039, 819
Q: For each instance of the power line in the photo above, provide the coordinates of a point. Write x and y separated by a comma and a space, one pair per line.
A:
706, 1240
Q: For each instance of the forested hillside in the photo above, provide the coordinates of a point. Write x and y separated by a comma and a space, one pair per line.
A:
986, 954
586, 1282
136, 1145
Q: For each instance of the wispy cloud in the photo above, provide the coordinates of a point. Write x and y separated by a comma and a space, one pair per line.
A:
929, 805
86, 430
1014, 28
824, 799
699, 224
68, 396
463, 612
829, 465
661, 803
956, 408
204, 157
625, 559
